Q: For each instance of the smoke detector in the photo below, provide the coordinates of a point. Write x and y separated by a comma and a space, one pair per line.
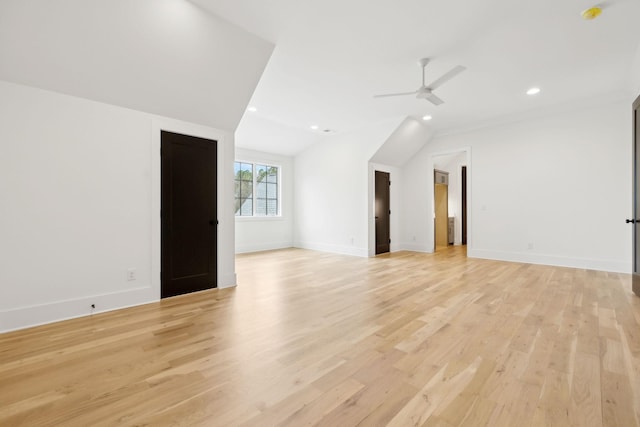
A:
591, 13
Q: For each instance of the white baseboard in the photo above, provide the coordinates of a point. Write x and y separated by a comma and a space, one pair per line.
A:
25, 317
242, 249
40, 314
336, 249
227, 281
530, 258
416, 247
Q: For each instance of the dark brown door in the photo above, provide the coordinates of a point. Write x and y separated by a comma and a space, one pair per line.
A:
464, 205
636, 202
188, 211
383, 212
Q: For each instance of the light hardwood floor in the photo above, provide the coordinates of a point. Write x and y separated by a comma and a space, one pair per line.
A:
310, 338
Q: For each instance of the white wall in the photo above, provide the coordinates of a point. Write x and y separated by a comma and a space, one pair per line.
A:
552, 190
635, 74
80, 190
332, 191
260, 234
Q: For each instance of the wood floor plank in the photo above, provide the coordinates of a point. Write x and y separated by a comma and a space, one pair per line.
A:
586, 405
312, 338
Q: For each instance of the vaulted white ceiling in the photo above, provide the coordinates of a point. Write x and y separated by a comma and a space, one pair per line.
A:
331, 56
172, 58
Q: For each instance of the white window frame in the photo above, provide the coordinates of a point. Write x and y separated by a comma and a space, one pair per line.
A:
253, 216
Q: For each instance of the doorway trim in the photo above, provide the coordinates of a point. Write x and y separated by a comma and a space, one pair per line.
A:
635, 273
431, 194
226, 227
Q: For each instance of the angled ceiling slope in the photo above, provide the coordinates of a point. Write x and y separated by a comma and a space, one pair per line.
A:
167, 57
403, 143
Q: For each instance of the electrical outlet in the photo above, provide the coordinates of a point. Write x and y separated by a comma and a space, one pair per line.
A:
131, 274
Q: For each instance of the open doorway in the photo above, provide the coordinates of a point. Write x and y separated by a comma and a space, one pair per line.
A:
443, 235
450, 198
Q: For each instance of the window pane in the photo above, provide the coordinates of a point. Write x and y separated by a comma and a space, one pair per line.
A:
246, 167
261, 173
261, 190
243, 187
272, 174
247, 207
272, 207
246, 189
272, 191
261, 207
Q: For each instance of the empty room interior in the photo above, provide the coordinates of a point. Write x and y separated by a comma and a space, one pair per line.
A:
337, 213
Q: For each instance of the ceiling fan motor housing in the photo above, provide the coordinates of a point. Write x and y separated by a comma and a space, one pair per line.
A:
423, 93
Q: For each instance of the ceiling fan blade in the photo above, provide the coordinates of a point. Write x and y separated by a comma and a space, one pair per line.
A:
434, 99
395, 94
447, 76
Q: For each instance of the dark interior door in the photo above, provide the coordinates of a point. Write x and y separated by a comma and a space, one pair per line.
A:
383, 212
188, 211
464, 205
636, 204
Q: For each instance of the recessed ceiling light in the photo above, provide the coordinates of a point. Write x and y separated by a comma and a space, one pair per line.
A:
314, 127
252, 109
427, 118
533, 91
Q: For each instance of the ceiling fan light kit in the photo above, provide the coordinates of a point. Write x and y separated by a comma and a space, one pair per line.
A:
426, 91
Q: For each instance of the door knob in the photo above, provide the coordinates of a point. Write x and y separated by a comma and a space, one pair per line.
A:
632, 221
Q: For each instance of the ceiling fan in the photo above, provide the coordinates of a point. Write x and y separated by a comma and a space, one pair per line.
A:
426, 91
